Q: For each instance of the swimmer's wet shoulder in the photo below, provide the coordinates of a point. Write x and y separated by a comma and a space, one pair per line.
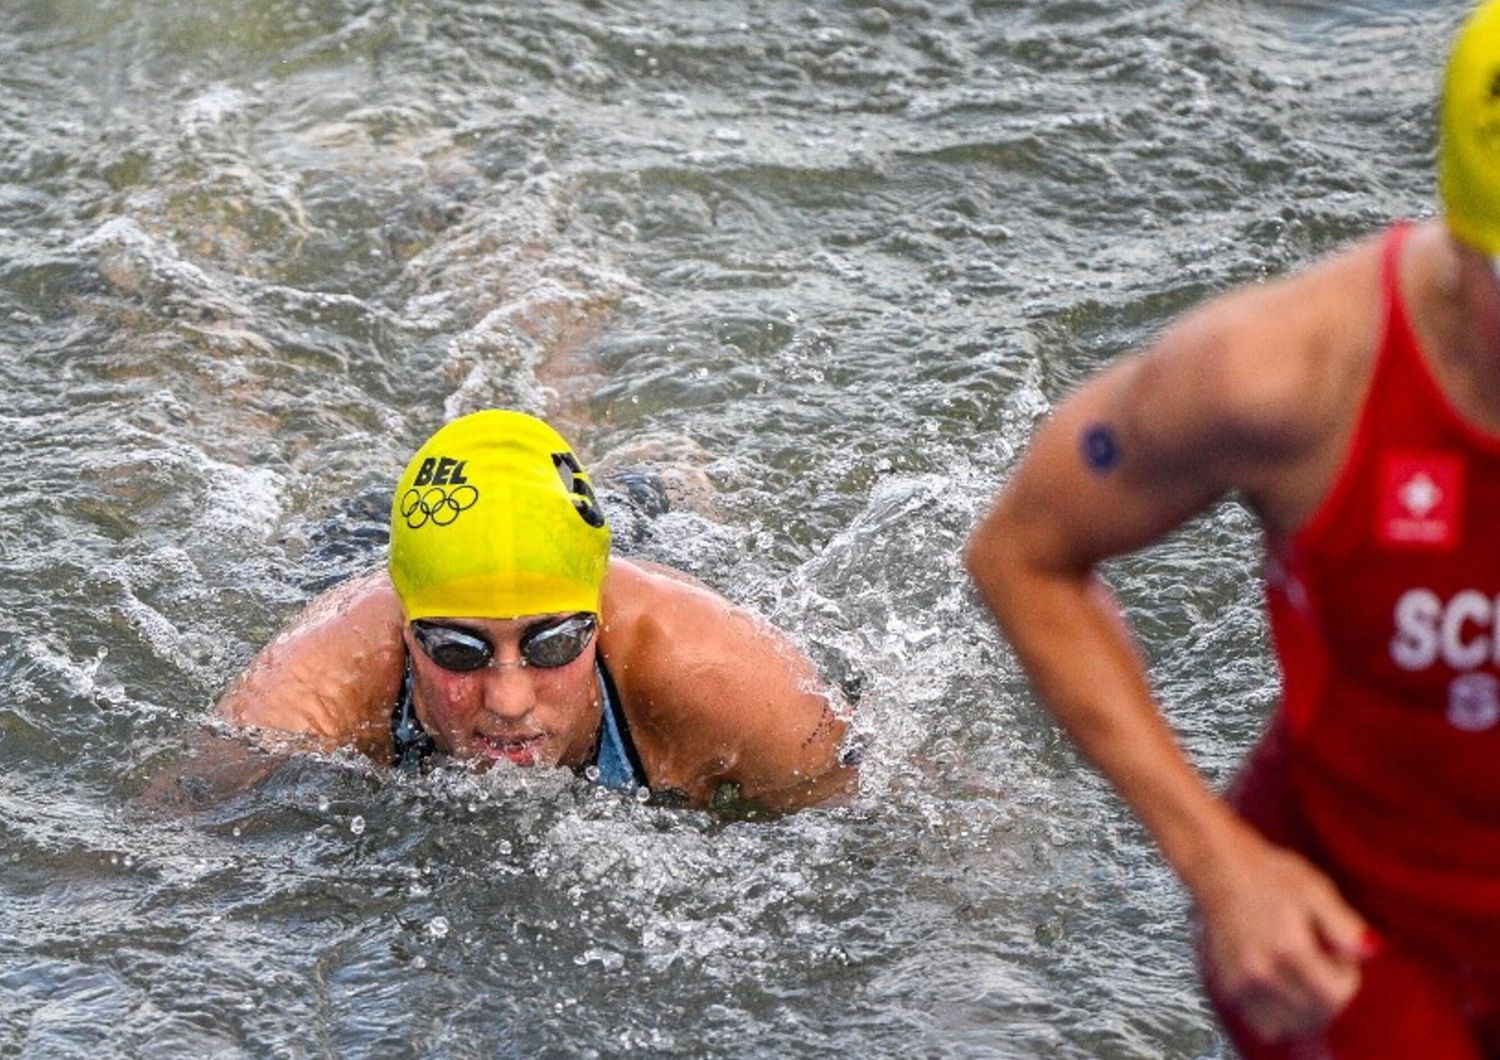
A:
331, 674
717, 697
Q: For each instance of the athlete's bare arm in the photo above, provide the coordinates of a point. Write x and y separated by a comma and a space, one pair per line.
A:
716, 696
1251, 394
333, 674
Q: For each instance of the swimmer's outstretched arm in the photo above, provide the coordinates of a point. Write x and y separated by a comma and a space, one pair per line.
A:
332, 674
1226, 401
723, 699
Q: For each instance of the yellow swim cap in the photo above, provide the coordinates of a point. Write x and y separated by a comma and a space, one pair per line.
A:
494, 518
1469, 151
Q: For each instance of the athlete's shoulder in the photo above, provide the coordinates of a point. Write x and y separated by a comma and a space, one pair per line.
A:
650, 615
664, 635
368, 600
333, 672
1273, 366
714, 693
637, 591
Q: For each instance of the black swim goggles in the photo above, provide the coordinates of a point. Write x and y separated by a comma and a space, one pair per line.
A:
546, 645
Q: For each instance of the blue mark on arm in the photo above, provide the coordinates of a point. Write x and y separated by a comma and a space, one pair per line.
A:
1101, 448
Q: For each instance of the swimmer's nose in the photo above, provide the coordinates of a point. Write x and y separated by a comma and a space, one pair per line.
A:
508, 691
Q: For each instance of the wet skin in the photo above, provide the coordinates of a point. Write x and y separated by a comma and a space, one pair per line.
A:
528, 715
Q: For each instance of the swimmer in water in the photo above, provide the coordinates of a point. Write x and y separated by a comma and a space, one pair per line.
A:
503, 631
1348, 886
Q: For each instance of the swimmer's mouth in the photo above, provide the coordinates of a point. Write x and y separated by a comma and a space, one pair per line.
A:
522, 750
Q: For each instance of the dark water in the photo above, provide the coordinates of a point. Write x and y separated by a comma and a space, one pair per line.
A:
822, 267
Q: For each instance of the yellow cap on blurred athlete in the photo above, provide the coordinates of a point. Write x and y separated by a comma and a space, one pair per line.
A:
494, 518
1469, 148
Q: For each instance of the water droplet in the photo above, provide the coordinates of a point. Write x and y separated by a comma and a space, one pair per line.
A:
419, 962
323, 804
357, 824
642, 794
437, 927
609, 960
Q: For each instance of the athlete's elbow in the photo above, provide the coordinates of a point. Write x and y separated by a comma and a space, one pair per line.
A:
252, 703
982, 545
992, 560
234, 707
240, 711
826, 786
976, 555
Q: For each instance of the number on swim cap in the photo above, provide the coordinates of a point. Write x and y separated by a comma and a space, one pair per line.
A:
571, 473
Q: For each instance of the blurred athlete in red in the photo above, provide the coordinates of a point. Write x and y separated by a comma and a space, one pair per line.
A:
1348, 887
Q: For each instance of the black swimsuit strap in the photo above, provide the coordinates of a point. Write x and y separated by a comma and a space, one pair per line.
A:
615, 755
413, 745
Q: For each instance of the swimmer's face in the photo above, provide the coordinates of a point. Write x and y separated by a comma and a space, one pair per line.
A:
527, 714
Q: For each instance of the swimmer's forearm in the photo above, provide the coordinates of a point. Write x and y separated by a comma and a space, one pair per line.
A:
217, 769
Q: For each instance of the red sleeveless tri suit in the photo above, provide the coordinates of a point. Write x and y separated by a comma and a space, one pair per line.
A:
1384, 765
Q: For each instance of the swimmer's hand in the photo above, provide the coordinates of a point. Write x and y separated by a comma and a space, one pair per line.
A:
1282, 948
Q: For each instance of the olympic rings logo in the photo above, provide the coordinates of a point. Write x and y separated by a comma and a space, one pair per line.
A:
436, 505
